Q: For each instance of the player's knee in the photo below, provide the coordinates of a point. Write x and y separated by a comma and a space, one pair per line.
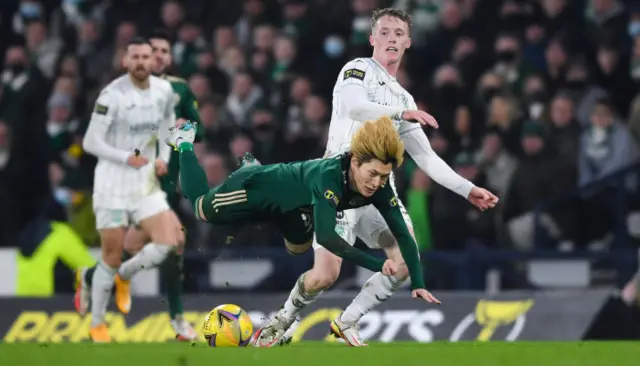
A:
111, 243
387, 241
297, 249
321, 277
135, 240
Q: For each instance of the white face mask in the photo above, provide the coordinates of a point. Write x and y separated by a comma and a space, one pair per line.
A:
55, 128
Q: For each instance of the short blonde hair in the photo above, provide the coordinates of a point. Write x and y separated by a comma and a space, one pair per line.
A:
379, 140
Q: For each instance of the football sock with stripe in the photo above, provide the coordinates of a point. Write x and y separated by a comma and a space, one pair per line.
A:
152, 255
298, 299
192, 178
103, 278
171, 272
376, 290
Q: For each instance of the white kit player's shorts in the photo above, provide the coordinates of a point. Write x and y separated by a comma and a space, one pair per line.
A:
110, 218
365, 223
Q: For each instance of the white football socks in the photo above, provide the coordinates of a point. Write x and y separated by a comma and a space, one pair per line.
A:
152, 255
298, 299
102, 283
376, 290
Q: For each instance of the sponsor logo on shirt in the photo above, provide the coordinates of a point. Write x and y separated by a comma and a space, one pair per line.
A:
354, 73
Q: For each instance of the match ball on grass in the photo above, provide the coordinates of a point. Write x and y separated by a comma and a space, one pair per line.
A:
227, 325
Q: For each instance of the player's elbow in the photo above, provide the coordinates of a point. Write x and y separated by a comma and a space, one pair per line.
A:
88, 144
356, 113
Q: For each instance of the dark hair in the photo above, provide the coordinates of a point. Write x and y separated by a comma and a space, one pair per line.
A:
391, 12
160, 33
138, 41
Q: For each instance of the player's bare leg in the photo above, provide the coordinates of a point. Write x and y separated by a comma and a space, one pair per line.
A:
631, 292
166, 235
325, 272
376, 290
112, 241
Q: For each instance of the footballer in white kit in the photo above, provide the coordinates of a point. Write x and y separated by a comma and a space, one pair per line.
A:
367, 89
130, 116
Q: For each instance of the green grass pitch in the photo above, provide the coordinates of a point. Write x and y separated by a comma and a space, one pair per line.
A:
318, 353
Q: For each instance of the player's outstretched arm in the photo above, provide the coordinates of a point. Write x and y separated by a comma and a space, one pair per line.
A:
325, 227
387, 204
417, 145
95, 140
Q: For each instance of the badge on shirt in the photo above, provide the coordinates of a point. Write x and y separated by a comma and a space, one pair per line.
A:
354, 73
101, 109
328, 194
393, 202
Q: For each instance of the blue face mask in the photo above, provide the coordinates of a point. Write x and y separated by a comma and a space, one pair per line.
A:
634, 29
30, 10
333, 47
62, 196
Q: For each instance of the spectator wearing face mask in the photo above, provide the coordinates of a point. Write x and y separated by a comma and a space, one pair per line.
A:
606, 147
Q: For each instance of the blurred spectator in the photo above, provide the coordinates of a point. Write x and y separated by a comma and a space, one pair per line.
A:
538, 177
44, 49
510, 64
497, 163
454, 221
244, 97
564, 130
505, 116
607, 146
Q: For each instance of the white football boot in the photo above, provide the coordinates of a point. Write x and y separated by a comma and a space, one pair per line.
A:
350, 333
83, 292
185, 132
184, 330
271, 335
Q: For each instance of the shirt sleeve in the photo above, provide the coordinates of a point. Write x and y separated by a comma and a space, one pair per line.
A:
356, 79
326, 198
418, 147
386, 202
190, 110
168, 122
95, 139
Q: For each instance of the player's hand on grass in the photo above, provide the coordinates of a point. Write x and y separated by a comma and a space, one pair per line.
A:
482, 199
421, 117
136, 160
426, 295
161, 168
389, 268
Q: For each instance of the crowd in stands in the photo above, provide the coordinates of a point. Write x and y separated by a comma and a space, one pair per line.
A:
534, 98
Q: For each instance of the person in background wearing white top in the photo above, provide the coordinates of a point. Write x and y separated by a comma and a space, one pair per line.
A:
367, 89
130, 115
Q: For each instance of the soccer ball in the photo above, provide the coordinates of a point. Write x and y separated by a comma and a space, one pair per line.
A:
227, 325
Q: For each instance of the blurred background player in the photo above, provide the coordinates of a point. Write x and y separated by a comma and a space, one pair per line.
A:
130, 115
186, 107
367, 89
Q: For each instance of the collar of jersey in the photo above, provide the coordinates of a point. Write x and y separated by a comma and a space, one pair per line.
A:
382, 68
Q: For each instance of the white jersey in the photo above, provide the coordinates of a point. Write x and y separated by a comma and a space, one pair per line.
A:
126, 118
349, 113
365, 91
